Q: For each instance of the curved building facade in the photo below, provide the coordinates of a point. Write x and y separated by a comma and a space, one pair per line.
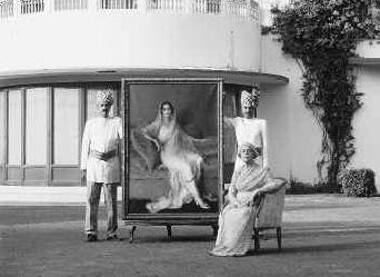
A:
56, 54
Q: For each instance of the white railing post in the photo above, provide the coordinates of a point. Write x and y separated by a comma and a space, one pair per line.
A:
16, 8
188, 6
224, 7
142, 5
247, 9
258, 14
93, 5
48, 6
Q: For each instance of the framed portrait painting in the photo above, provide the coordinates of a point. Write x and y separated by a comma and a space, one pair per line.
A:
172, 151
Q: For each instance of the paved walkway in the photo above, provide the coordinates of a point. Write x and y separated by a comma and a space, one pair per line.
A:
324, 235
45, 196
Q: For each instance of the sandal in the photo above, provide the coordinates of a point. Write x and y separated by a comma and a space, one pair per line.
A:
112, 237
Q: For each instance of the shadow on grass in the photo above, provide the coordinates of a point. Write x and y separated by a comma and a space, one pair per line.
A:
319, 207
331, 247
295, 233
351, 227
165, 239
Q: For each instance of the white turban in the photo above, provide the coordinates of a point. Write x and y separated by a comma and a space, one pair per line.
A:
249, 98
250, 146
104, 96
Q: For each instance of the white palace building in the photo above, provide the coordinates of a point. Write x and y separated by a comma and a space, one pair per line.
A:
56, 54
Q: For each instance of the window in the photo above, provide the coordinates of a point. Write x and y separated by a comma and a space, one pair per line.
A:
41, 131
36, 126
14, 131
66, 126
2, 126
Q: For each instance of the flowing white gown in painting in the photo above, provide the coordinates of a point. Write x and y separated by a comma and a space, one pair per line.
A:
183, 161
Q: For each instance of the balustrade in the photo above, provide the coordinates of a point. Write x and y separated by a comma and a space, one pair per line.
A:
62, 5
6, 8
245, 9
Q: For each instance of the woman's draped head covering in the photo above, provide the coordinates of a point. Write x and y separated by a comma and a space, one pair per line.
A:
173, 118
154, 127
104, 96
250, 98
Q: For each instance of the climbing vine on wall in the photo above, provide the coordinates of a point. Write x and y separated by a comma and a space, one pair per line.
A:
322, 36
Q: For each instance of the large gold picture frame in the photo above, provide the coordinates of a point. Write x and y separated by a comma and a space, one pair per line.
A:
159, 178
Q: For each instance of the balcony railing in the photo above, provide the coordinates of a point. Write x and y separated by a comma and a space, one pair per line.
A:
32, 6
60, 5
244, 9
6, 8
116, 4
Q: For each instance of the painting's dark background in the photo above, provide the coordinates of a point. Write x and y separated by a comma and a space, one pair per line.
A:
196, 107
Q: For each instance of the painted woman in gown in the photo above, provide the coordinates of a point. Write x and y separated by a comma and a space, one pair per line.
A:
179, 156
249, 183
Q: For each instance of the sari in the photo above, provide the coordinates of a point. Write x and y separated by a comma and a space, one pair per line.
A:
237, 217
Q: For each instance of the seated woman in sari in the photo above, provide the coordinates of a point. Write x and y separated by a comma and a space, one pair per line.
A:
249, 183
179, 156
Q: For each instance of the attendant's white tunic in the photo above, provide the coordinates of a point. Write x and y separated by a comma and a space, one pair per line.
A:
103, 135
252, 131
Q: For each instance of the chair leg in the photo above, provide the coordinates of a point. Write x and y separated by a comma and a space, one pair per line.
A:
279, 238
214, 230
257, 238
131, 233
169, 229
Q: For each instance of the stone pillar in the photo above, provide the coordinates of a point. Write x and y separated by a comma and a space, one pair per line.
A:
142, 5
93, 5
16, 8
189, 6
48, 6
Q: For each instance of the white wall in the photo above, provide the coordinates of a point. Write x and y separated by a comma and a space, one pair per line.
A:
274, 108
295, 138
122, 39
367, 121
369, 49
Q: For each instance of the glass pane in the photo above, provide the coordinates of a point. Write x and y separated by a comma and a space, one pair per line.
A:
36, 125
91, 103
2, 126
229, 138
66, 122
14, 123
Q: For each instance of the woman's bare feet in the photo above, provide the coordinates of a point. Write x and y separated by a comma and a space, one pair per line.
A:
162, 167
150, 208
202, 204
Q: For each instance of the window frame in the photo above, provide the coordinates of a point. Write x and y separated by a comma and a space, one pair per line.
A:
49, 167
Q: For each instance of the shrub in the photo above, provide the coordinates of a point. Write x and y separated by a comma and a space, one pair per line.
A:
357, 182
298, 187
325, 187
